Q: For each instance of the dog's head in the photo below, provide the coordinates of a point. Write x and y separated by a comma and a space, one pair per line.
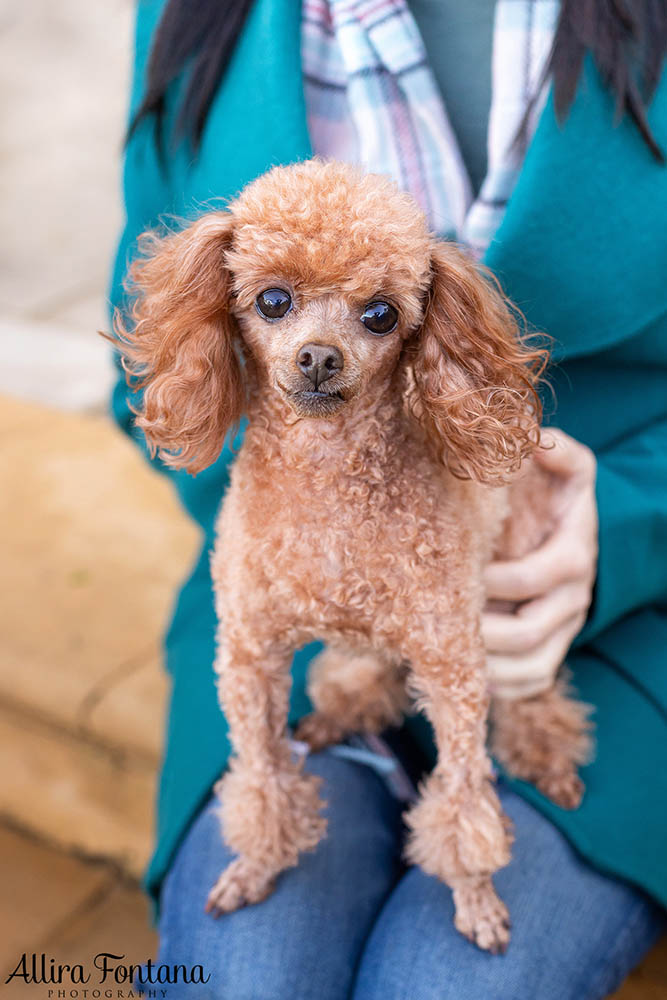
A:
325, 280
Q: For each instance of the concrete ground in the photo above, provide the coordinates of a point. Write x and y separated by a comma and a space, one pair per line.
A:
93, 543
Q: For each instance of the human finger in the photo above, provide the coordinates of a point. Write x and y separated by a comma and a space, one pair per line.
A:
532, 624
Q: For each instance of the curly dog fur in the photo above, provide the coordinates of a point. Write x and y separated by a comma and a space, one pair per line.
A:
361, 513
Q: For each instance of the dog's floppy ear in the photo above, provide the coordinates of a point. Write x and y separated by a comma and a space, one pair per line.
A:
179, 343
474, 376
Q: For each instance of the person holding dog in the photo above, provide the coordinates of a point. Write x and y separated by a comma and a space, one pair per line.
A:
499, 119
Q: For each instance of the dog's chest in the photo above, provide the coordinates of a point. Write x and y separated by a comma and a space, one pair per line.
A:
349, 549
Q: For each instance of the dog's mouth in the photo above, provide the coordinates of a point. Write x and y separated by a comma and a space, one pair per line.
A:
314, 402
336, 394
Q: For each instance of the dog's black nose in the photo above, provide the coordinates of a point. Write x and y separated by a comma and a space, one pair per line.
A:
318, 362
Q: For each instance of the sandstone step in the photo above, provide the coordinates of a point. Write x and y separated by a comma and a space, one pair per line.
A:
76, 794
94, 545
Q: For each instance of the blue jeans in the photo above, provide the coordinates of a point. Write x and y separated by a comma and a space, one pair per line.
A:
352, 922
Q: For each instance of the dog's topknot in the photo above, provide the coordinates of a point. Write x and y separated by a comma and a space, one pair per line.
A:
331, 224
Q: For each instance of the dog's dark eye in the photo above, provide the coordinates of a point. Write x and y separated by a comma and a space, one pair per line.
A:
379, 318
273, 303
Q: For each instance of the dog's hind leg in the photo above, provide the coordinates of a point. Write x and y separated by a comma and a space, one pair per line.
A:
352, 692
544, 739
270, 807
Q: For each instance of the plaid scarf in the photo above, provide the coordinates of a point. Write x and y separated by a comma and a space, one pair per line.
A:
371, 98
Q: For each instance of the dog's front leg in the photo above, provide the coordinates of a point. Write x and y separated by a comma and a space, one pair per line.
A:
270, 808
458, 830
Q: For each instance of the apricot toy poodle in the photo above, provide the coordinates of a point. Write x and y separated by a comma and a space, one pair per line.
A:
390, 401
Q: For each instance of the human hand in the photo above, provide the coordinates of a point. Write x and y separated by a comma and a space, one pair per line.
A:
552, 586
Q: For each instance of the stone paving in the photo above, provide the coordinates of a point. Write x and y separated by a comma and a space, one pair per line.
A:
65, 908
93, 543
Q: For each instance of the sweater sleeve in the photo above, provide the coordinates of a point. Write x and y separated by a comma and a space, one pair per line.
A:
632, 508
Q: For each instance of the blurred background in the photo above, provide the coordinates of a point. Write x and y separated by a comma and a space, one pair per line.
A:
92, 542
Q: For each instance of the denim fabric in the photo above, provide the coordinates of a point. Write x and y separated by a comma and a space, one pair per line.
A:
351, 922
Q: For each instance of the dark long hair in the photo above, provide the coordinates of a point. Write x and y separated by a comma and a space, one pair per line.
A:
626, 38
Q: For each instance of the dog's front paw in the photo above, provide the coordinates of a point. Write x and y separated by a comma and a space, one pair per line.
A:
481, 916
240, 883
